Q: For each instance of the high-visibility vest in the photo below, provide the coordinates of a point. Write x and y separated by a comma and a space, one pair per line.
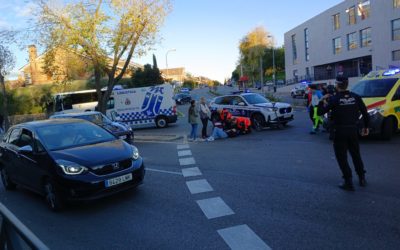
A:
225, 115
243, 123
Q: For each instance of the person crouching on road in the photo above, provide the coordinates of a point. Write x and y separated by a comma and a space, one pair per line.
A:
313, 107
218, 131
346, 108
204, 116
193, 115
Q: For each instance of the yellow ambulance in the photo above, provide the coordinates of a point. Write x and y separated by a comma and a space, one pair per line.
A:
380, 91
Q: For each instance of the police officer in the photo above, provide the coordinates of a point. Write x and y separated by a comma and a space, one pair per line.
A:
346, 108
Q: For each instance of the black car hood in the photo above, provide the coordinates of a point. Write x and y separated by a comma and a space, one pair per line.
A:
95, 154
115, 128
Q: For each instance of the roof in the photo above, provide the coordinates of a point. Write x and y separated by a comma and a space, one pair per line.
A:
43, 123
78, 114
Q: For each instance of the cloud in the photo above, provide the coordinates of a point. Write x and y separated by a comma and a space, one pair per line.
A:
26, 10
4, 25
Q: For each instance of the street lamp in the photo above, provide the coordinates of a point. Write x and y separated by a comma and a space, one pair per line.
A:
273, 63
166, 59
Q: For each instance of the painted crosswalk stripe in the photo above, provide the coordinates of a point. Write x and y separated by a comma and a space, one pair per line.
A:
190, 172
242, 237
184, 153
214, 207
182, 146
187, 161
199, 186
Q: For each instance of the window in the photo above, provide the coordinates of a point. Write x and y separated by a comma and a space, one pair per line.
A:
14, 136
352, 41
294, 48
364, 9
352, 15
337, 45
26, 139
396, 55
396, 29
396, 3
336, 21
307, 45
365, 37
236, 100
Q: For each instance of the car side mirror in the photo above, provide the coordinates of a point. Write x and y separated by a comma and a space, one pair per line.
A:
241, 104
26, 149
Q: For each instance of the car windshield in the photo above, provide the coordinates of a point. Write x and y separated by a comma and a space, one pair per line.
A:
70, 135
255, 99
374, 87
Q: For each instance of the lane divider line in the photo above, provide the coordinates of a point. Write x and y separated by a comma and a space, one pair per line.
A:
214, 207
191, 172
182, 146
242, 237
187, 161
162, 171
184, 153
199, 186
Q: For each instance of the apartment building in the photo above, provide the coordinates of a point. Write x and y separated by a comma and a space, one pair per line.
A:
351, 38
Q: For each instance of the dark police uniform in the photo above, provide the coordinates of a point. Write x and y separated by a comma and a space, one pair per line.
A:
346, 108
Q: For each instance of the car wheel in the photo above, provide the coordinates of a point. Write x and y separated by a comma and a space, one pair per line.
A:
53, 198
7, 182
284, 124
387, 128
161, 122
257, 122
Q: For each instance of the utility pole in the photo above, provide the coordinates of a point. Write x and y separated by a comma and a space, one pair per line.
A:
261, 73
166, 61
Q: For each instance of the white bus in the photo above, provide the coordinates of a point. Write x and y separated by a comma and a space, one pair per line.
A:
75, 101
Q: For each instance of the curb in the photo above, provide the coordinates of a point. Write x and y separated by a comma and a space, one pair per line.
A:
144, 137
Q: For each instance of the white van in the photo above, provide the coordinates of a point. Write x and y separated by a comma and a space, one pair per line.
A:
139, 107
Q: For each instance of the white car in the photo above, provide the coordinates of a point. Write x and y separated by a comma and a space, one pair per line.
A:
261, 111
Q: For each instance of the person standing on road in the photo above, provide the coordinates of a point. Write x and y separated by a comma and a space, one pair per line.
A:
315, 98
193, 115
205, 115
346, 108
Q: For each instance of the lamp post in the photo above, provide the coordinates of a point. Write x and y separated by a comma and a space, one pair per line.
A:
166, 60
273, 63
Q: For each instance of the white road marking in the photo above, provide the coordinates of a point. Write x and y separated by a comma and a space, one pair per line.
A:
182, 146
184, 153
163, 171
199, 186
187, 161
242, 238
190, 172
214, 207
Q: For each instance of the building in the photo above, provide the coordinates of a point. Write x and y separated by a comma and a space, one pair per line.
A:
351, 38
66, 63
174, 74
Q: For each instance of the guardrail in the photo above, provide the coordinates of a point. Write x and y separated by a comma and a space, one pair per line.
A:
14, 234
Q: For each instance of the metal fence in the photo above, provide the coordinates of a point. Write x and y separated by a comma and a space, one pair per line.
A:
14, 234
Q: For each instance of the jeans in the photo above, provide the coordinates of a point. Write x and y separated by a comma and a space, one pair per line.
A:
204, 129
193, 133
218, 133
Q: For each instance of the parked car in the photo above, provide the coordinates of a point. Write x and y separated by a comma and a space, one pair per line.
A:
261, 111
68, 160
119, 129
182, 98
300, 90
185, 90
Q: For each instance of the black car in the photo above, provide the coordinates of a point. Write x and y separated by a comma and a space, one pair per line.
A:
121, 130
68, 160
182, 98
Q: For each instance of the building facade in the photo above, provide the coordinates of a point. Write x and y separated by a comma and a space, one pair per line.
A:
351, 38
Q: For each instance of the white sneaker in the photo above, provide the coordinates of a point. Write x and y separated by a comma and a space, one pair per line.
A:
210, 138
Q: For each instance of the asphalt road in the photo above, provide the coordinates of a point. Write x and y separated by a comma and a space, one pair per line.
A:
270, 189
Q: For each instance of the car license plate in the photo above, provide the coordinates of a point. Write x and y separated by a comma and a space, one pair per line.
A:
118, 180
123, 137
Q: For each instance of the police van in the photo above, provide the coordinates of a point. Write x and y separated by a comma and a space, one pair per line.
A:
380, 91
261, 111
143, 107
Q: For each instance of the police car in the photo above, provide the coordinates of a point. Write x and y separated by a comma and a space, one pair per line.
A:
261, 111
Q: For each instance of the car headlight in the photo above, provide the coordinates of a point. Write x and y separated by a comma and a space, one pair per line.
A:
71, 168
179, 100
272, 109
135, 153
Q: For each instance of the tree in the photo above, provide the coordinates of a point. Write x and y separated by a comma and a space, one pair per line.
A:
7, 62
252, 48
147, 77
108, 33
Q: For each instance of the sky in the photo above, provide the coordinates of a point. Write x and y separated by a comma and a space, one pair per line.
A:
204, 33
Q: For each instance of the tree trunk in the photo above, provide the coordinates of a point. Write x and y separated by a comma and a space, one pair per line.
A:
5, 106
